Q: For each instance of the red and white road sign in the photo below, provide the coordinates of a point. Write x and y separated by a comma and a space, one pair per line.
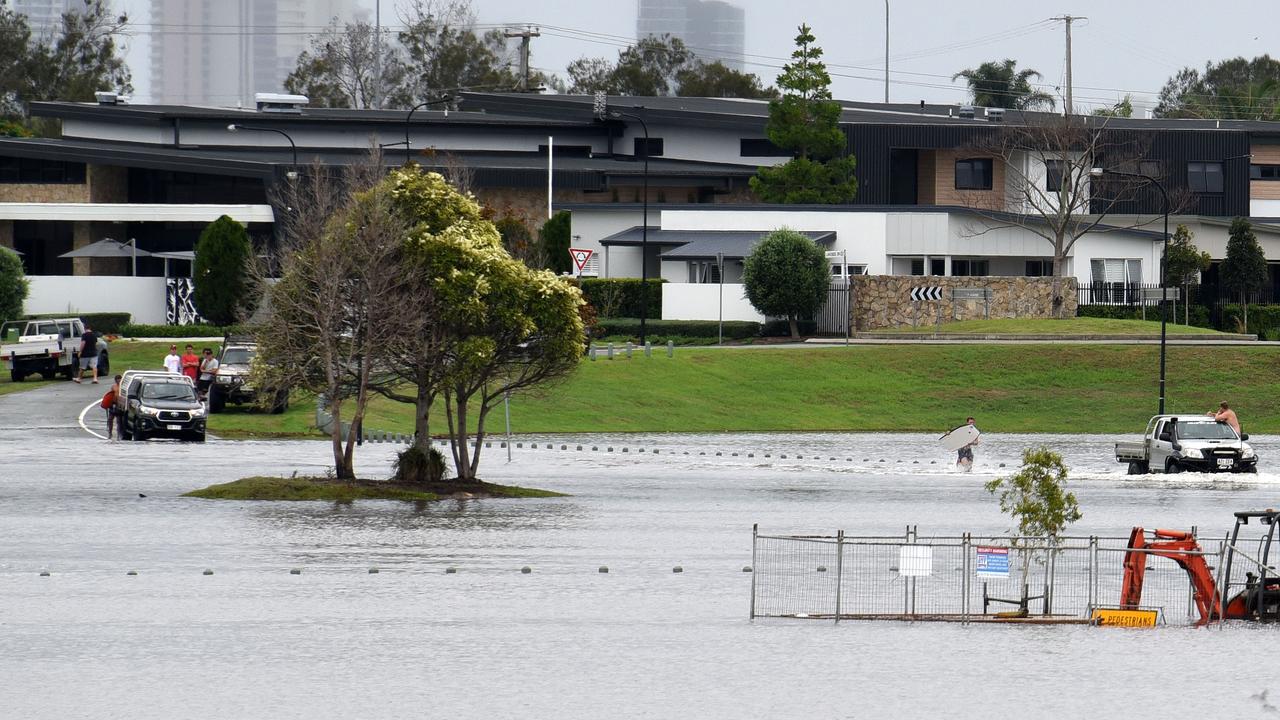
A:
580, 257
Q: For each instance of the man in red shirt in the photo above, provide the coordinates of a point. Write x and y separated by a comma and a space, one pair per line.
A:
191, 363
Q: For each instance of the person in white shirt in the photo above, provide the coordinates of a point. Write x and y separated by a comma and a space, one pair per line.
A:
208, 372
173, 361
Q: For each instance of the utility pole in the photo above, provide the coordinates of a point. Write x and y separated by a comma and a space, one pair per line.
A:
1068, 19
377, 55
886, 52
524, 35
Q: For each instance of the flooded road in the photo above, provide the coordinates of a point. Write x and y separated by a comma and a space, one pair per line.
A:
565, 641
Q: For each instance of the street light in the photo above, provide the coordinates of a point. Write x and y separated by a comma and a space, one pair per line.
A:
1164, 259
409, 118
292, 174
644, 223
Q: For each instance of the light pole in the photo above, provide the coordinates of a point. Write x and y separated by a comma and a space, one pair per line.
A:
292, 174
409, 118
886, 52
1164, 259
644, 222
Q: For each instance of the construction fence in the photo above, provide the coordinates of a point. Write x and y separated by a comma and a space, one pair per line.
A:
964, 578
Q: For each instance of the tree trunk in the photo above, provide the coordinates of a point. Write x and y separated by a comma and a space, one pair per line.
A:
475, 452
335, 437
1058, 301
1244, 302
422, 416
795, 327
1186, 304
458, 439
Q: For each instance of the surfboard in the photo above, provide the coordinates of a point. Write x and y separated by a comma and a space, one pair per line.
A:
960, 437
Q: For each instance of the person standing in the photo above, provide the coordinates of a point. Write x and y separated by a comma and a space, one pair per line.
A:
88, 355
110, 404
173, 361
208, 372
191, 363
1225, 414
964, 456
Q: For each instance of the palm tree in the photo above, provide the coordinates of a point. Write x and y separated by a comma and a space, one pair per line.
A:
1002, 85
1254, 101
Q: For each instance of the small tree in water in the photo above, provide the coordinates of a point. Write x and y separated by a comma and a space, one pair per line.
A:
1036, 497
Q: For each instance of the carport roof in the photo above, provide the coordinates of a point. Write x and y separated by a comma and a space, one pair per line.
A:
703, 244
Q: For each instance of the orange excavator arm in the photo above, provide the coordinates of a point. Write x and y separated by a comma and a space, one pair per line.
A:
1180, 547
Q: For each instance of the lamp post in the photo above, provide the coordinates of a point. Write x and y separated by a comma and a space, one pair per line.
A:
409, 118
292, 174
1164, 259
886, 52
644, 222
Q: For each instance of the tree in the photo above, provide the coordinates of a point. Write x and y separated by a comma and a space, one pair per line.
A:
1245, 269
1000, 84
221, 271
657, 66
1122, 109
350, 66
554, 239
1252, 101
518, 242
806, 121
445, 52
1183, 263
787, 275
13, 285
1221, 87
718, 80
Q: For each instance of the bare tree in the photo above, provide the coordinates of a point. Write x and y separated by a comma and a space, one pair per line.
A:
351, 66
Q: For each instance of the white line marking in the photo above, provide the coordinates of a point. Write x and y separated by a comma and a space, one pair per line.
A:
85, 411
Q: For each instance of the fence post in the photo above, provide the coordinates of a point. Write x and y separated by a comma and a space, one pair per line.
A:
1191, 592
839, 569
964, 580
1051, 575
755, 532
1093, 573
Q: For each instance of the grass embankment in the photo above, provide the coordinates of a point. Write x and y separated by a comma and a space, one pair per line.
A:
1068, 327
306, 488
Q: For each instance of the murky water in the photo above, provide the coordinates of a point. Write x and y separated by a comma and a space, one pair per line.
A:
253, 641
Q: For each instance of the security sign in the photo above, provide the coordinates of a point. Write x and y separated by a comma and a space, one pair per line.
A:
580, 257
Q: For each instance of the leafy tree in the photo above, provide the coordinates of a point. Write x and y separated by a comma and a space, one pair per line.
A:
1122, 109
1000, 84
554, 238
518, 242
444, 51
1245, 269
13, 285
350, 66
1221, 87
220, 271
657, 66
787, 276
1254, 101
806, 121
1183, 263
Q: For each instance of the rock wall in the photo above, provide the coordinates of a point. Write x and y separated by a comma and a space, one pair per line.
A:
884, 301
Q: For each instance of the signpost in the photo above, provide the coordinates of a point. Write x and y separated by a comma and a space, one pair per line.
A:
580, 256
1157, 295
720, 277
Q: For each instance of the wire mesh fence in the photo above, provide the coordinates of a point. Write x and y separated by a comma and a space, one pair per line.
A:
965, 578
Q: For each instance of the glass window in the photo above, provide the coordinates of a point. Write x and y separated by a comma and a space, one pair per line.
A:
1204, 430
34, 170
917, 266
1264, 172
1053, 175
655, 147
969, 268
1204, 177
973, 174
857, 270
760, 147
938, 266
837, 270
1039, 268
168, 391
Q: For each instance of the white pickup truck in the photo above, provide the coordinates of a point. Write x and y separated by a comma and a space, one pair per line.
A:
44, 347
1188, 443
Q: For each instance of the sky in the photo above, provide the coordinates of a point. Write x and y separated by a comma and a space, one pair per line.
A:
1122, 46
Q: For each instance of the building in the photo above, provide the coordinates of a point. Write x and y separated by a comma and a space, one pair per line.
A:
223, 52
44, 17
714, 30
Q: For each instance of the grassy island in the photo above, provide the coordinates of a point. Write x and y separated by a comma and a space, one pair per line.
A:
330, 490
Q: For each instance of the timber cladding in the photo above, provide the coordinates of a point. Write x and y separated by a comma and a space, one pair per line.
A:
885, 301
1264, 189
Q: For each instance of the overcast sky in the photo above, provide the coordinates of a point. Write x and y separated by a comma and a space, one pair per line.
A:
1122, 46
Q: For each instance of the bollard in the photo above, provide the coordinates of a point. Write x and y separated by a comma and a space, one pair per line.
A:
783, 457
592, 353
594, 448
526, 570
751, 455
519, 445
609, 352
655, 452
702, 453
648, 349
296, 571
630, 347
609, 450
564, 447
579, 447
488, 444
718, 454
603, 569
451, 571
624, 449
208, 572
677, 569
373, 571
639, 449
671, 348
502, 444
768, 455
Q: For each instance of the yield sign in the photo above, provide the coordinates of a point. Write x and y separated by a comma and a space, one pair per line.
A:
580, 257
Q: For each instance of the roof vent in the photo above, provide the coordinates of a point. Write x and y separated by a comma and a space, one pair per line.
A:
966, 112
106, 97
279, 103
995, 114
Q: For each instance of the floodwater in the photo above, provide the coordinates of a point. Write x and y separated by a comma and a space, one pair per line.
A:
564, 641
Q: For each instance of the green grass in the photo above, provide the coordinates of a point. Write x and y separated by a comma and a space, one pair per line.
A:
1067, 327
325, 489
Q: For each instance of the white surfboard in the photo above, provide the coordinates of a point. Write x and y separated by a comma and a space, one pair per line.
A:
960, 437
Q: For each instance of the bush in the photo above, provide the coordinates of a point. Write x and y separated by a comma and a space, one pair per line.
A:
662, 329
220, 272
782, 328
173, 331
554, 239
1262, 318
621, 297
416, 466
13, 285
787, 275
1199, 313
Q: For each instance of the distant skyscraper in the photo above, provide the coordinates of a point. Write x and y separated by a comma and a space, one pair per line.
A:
714, 30
222, 52
45, 16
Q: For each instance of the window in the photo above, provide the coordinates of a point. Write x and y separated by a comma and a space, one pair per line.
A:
1116, 270
973, 174
706, 271
30, 170
970, 268
838, 270
655, 147
917, 266
1204, 177
1053, 175
761, 147
937, 266
1264, 172
1039, 268
856, 269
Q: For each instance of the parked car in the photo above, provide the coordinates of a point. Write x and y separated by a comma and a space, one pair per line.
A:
128, 377
1194, 443
233, 385
164, 406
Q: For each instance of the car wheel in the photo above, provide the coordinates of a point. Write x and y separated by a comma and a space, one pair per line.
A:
104, 364
1252, 469
16, 376
136, 435
48, 374
1172, 467
217, 402
1137, 468
69, 371
196, 437
124, 431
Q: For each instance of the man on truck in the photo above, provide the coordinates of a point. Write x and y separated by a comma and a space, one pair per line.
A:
1226, 415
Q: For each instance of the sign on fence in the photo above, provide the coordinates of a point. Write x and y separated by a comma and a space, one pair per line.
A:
992, 561
932, 292
1124, 618
915, 560
1157, 294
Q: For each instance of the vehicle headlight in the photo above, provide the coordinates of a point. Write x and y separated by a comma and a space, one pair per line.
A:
198, 412
148, 410
225, 379
1192, 453
1247, 451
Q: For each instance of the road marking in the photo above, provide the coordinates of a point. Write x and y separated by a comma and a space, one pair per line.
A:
85, 411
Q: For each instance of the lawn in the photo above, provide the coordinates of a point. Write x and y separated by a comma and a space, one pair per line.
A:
1078, 326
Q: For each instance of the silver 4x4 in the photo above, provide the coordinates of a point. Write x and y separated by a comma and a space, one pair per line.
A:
233, 384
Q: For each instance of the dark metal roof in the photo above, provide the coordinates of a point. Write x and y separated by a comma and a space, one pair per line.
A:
701, 244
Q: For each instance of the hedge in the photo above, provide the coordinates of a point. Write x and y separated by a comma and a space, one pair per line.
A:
620, 297
654, 329
109, 323
172, 331
1199, 313
1263, 319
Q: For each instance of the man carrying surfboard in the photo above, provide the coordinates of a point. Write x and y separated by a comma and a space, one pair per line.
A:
962, 440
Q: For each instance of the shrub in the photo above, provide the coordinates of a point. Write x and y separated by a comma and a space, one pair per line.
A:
1262, 318
1199, 313
417, 466
13, 285
623, 296
220, 271
787, 276
554, 239
173, 331
662, 329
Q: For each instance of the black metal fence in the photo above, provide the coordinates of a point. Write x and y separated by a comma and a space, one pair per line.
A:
833, 318
1148, 294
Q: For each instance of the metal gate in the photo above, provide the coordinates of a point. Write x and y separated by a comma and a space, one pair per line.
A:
833, 317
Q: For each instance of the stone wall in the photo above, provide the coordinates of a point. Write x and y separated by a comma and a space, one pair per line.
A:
884, 301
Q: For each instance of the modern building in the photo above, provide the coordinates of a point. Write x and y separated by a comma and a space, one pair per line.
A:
714, 30
44, 17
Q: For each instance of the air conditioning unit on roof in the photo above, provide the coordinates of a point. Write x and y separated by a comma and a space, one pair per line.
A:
280, 103
966, 112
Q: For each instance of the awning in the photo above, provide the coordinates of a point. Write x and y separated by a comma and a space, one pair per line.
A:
106, 248
704, 244
134, 212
